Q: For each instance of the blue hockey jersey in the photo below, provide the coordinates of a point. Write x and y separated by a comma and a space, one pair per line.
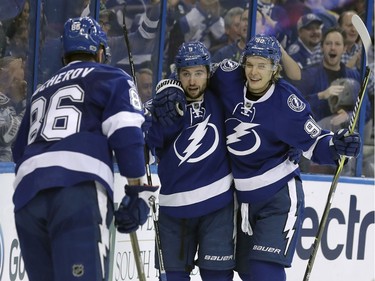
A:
74, 123
303, 56
260, 133
193, 162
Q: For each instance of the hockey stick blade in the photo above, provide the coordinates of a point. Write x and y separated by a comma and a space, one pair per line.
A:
363, 34
366, 40
162, 272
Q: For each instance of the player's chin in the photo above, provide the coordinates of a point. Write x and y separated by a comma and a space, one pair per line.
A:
257, 87
193, 94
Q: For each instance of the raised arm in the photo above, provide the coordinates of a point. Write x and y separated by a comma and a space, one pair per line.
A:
290, 66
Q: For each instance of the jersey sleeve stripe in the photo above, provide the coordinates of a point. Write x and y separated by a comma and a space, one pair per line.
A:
122, 120
308, 154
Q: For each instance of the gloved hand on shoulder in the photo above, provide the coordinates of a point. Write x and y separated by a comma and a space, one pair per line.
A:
169, 103
134, 208
345, 144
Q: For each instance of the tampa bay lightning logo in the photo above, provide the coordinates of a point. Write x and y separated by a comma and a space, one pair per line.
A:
2, 253
198, 145
295, 103
243, 140
228, 65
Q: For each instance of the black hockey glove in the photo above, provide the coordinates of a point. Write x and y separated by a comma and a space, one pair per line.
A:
344, 144
169, 103
134, 207
294, 155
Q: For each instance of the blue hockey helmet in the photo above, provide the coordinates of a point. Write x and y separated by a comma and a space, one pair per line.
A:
192, 54
84, 35
263, 46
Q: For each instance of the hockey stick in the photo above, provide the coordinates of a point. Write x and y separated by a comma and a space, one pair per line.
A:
366, 40
133, 235
163, 274
132, 69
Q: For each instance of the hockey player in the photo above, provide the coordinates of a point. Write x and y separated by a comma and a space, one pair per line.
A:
64, 165
196, 198
264, 116
196, 205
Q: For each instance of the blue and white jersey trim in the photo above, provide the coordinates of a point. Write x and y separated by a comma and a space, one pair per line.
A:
122, 120
81, 163
197, 195
308, 154
268, 178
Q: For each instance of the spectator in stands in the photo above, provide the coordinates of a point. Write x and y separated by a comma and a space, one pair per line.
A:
290, 68
295, 10
326, 84
177, 9
328, 17
132, 10
202, 23
352, 55
306, 51
109, 23
12, 103
232, 22
142, 41
144, 83
17, 31
234, 50
277, 19
320, 89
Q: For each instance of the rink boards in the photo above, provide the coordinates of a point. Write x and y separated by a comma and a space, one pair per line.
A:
347, 249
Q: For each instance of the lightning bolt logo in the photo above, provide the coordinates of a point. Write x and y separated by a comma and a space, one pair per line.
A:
103, 244
240, 131
103, 247
195, 138
243, 129
196, 142
289, 228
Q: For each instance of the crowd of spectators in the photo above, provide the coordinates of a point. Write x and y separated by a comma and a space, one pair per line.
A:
222, 25
14, 54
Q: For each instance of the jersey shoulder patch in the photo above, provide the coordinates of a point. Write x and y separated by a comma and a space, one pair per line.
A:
295, 103
228, 65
